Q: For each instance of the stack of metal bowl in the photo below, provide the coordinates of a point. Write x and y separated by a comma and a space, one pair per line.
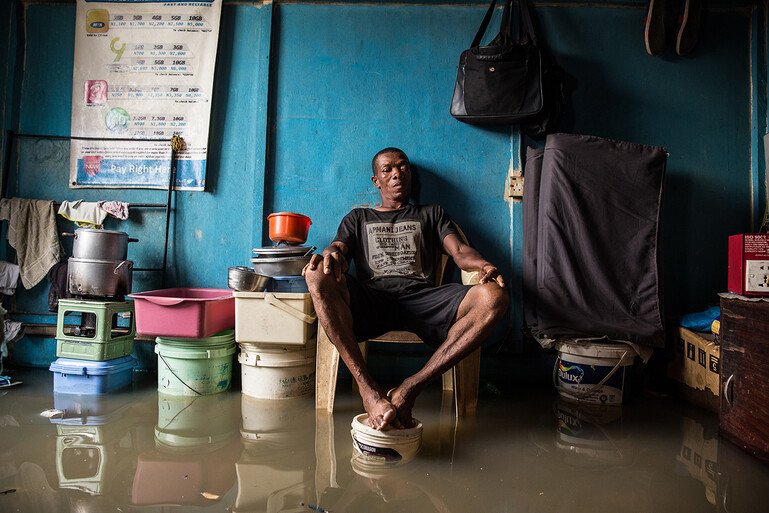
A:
272, 268
244, 279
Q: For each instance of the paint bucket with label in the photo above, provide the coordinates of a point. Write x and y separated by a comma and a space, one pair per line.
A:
591, 372
277, 372
389, 445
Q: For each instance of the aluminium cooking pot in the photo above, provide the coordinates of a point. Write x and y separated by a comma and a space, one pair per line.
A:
92, 244
99, 278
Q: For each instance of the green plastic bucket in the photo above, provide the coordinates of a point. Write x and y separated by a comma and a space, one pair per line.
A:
201, 366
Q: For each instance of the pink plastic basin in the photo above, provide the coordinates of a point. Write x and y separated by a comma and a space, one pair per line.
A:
184, 312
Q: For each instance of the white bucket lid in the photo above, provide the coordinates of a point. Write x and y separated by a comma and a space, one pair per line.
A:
596, 349
261, 357
360, 425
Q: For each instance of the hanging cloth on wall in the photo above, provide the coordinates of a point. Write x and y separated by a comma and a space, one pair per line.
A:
533, 173
32, 233
9, 278
83, 213
117, 209
597, 241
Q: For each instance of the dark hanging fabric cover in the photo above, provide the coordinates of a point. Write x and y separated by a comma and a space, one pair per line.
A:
533, 170
597, 241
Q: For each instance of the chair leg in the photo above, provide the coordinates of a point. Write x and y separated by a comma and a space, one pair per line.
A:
447, 379
467, 375
326, 368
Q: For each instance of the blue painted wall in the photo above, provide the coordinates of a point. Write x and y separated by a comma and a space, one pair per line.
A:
306, 93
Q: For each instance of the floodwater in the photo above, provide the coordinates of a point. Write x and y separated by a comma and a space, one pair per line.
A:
140, 451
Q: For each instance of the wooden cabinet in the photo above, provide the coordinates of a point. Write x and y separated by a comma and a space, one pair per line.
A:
744, 406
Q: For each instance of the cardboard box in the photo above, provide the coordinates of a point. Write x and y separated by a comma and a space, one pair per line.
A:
696, 368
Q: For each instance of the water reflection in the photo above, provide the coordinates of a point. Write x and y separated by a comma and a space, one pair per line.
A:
349, 480
275, 470
592, 435
95, 443
698, 456
193, 462
147, 452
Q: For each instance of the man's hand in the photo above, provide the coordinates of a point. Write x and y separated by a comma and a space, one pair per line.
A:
331, 262
489, 273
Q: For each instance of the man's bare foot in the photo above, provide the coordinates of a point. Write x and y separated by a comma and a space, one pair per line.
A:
403, 398
381, 413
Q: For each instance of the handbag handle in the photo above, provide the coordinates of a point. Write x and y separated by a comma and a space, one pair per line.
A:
526, 26
514, 9
486, 19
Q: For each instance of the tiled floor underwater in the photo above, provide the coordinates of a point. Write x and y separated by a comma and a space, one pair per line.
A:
138, 451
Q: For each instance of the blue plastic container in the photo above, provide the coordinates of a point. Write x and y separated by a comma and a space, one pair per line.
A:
287, 284
72, 376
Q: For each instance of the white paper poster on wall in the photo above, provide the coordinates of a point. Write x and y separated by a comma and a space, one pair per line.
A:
144, 69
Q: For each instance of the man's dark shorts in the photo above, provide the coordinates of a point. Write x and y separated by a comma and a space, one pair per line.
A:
429, 312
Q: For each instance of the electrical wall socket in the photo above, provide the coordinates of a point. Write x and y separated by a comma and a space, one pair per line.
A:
757, 276
515, 186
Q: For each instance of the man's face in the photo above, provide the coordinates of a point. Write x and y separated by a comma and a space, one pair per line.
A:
393, 177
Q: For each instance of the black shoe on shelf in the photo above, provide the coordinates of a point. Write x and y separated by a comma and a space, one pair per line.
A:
654, 27
688, 27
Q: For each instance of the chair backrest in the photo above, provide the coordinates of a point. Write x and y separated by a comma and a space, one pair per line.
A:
442, 259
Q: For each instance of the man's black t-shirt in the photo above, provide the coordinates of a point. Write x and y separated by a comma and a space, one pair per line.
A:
395, 251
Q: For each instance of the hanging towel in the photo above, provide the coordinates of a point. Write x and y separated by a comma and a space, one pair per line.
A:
9, 278
32, 233
117, 209
83, 213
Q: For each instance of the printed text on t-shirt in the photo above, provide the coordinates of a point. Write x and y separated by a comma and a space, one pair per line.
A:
393, 249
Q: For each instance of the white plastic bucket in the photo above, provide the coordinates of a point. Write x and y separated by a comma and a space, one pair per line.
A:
386, 446
275, 373
592, 373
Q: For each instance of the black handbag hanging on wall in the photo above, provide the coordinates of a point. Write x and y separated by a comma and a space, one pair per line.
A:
508, 81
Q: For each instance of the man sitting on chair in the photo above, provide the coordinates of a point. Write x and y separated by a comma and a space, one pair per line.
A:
394, 248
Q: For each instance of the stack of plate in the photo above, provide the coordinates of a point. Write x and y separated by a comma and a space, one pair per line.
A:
284, 264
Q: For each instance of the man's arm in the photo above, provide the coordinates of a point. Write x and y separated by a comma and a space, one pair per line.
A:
334, 259
468, 259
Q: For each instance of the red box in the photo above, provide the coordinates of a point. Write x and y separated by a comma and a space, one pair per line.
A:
749, 264
184, 312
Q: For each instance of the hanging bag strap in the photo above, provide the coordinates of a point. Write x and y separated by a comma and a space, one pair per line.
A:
485, 23
525, 25
505, 35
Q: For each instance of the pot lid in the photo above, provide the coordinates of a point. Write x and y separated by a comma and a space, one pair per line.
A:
99, 230
281, 251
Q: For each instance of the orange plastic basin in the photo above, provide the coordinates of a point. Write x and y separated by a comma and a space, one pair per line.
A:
289, 227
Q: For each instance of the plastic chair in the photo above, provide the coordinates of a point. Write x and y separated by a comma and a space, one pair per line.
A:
462, 379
